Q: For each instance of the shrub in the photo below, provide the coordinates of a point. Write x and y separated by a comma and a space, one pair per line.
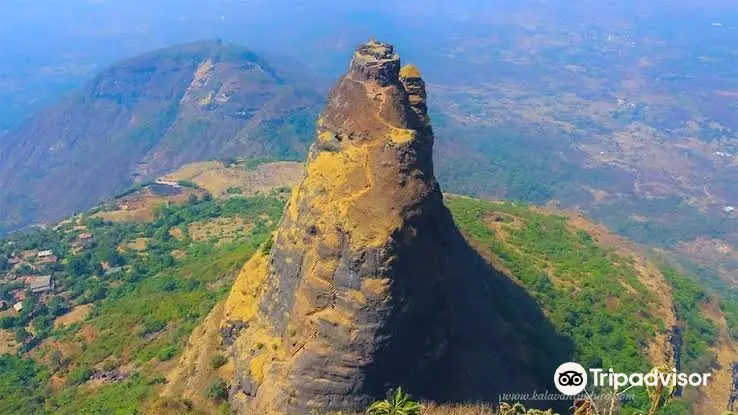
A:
158, 380
217, 390
519, 409
267, 247
154, 326
110, 364
188, 183
79, 375
21, 335
217, 361
7, 322
225, 409
166, 353
399, 403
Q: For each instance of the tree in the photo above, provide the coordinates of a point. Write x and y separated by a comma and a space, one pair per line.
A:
97, 291
113, 257
57, 306
8, 322
21, 335
41, 323
25, 269
55, 360
160, 210
79, 266
79, 375
188, 183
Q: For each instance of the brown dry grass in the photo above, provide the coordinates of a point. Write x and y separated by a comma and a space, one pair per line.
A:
76, 315
142, 206
177, 233
7, 342
88, 332
178, 254
145, 214
56, 383
712, 398
68, 349
225, 230
708, 250
436, 409
217, 179
192, 373
459, 409
138, 244
192, 170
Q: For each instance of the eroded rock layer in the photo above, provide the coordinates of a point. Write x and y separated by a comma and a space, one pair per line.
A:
368, 284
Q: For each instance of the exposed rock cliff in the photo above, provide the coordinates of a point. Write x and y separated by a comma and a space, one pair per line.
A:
369, 284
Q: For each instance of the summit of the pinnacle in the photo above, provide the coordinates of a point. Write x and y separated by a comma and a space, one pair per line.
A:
375, 61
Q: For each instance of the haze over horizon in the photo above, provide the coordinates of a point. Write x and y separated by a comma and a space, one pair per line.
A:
53, 46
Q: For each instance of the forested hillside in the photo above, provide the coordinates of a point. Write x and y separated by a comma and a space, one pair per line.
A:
125, 302
620, 308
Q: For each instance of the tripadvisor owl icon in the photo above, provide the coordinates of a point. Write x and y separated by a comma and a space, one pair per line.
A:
570, 378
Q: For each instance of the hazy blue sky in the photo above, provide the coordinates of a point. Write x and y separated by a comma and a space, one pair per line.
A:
49, 46
100, 31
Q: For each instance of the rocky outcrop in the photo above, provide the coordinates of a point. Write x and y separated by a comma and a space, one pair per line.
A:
368, 284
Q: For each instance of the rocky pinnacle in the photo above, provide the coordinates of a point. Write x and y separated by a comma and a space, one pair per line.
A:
368, 284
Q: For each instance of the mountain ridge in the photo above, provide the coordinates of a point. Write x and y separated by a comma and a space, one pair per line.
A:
146, 116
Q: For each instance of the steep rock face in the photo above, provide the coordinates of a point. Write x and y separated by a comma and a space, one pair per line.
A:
147, 116
369, 284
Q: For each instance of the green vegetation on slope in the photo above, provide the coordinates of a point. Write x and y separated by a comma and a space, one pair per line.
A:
143, 311
120, 398
698, 333
591, 294
596, 297
22, 385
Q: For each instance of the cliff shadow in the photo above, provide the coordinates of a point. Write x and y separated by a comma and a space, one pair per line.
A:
461, 331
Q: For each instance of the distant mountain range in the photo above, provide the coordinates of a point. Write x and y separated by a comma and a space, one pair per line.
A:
637, 134
146, 116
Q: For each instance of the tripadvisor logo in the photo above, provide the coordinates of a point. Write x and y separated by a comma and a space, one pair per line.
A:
571, 379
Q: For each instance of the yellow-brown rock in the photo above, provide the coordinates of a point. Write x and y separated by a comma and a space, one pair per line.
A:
369, 284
